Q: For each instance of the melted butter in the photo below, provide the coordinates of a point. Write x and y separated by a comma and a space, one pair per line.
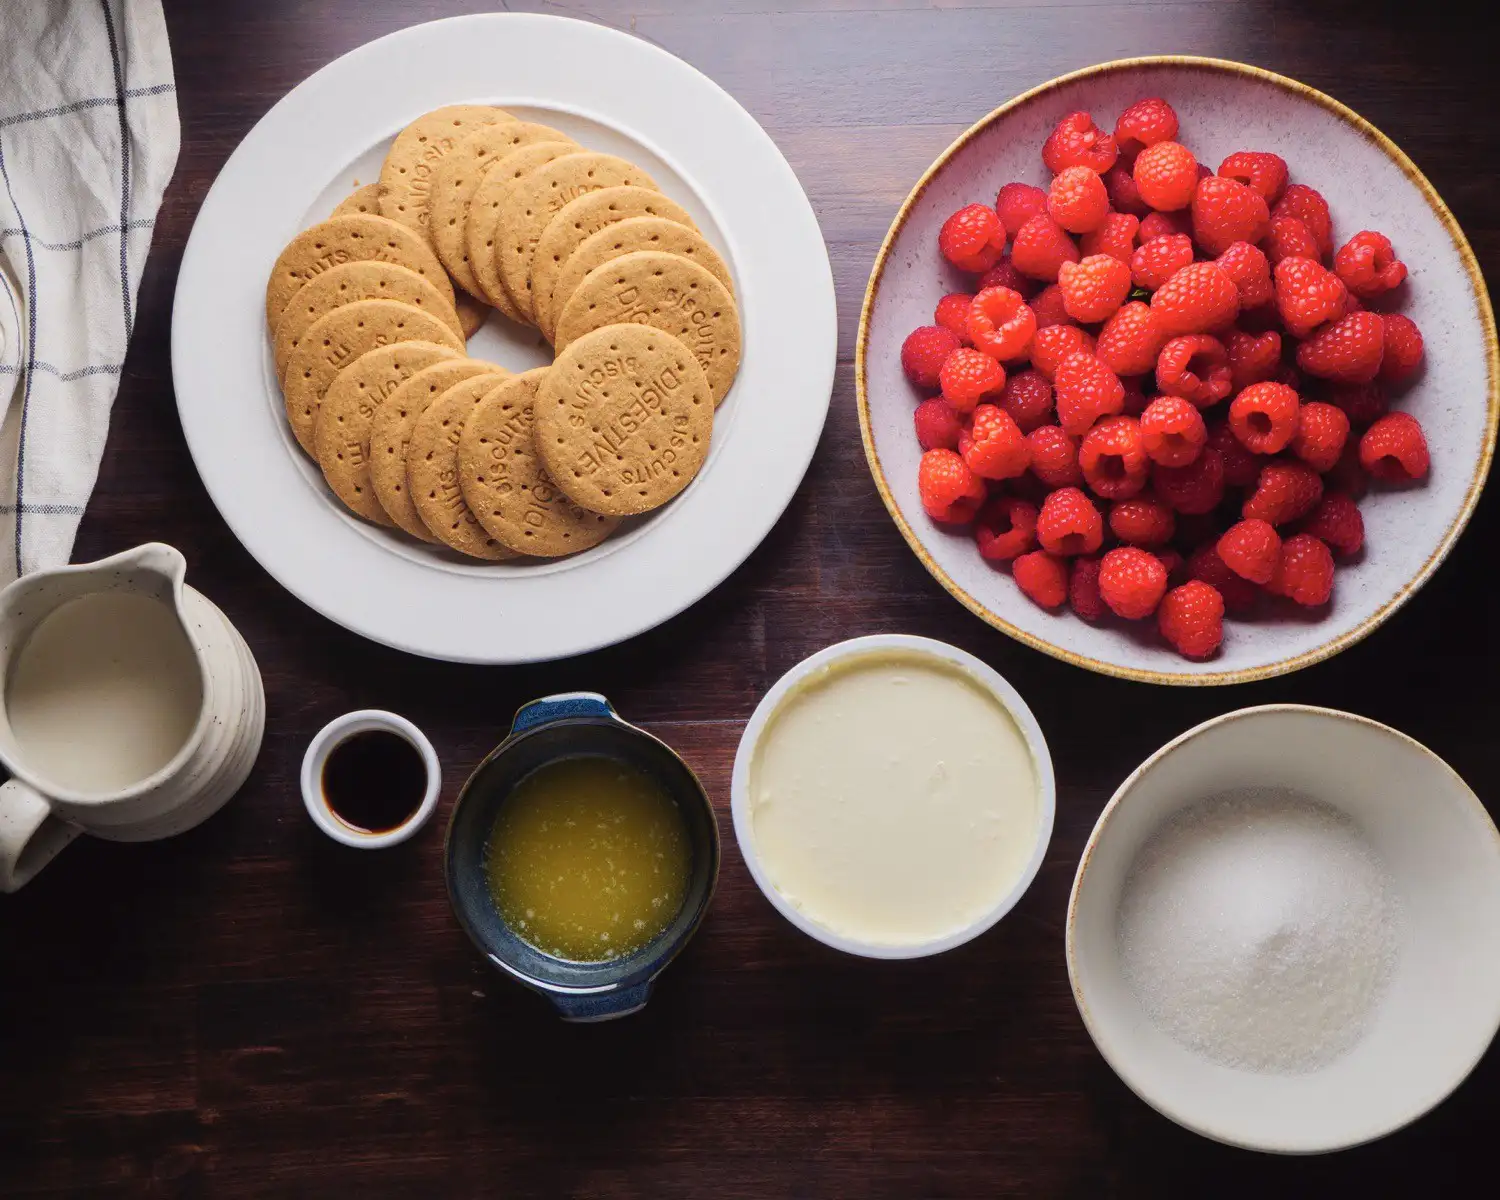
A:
588, 859
893, 799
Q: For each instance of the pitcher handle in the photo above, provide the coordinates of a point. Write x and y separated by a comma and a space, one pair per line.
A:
30, 836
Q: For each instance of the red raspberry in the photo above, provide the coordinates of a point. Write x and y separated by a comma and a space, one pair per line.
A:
1161, 224
1285, 491
1043, 578
1000, 323
1048, 308
1124, 196
1116, 237
1172, 431
1403, 348
968, 377
1017, 203
993, 447
1004, 274
1337, 521
1251, 549
1363, 403
1394, 448
1166, 175
1054, 457
1078, 142
1143, 521
1132, 582
1027, 397
1083, 589
1205, 565
1156, 261
1053, 344
1309, 207
1041, 247
1348, 351
1250, 269
1086, 390
972, 238
1287, 237
925, 351
1322, 431
950, 492
1304, 571
1265, 173
1005, 528
938, 424
1241, 467
1069, 523
1191, 617
1078, 200
1113, 458
1195, 368
1131, 340
1264, 417
1200, 298
1307, 294
952, 313
1145, 123
1225, 212
1193, 489
1093, 288
1252, 359
1368, 265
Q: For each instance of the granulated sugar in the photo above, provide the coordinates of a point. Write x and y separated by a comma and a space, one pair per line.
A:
1259, 928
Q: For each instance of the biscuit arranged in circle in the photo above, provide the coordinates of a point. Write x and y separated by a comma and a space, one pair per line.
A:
579, 219
390, 435
628, 236
472, 313
538, 197
484, 217
336, 339
406, 174
455, 180
339, 240
623, 419
361, 200
666, 292
342, 430
346, 284
504, 483
432, 470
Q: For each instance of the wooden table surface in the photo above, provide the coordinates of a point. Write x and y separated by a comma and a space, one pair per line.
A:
250, 1010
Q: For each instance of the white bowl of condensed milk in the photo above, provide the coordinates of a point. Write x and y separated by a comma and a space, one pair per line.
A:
893, 796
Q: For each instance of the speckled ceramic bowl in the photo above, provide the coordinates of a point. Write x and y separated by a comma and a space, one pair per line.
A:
1370, 184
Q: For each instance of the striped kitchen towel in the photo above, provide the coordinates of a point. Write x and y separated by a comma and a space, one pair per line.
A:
88, 140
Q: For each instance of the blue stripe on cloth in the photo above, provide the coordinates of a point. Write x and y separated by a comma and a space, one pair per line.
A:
26, 360
114, 57
47, 368
77, 243
159, 89
44, 510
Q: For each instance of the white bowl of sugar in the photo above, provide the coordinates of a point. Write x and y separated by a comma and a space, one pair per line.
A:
1284, 933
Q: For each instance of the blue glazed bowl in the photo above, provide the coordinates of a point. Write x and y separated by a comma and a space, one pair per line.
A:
546, 730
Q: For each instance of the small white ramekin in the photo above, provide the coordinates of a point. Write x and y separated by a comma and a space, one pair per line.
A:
331, 735
983, 674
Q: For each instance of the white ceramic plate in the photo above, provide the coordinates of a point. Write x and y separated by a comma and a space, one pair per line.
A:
1370, 184
332, 131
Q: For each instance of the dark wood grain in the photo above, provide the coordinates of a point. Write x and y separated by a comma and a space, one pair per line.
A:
249, 1010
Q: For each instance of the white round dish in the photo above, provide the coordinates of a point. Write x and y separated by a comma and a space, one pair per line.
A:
330, 133
1370, 184
992, 682
334, 734
1441, 1008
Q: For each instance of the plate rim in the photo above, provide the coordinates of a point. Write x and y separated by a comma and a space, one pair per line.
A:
815, 392
1445, 217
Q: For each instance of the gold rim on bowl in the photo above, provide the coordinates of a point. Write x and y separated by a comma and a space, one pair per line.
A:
1439, 209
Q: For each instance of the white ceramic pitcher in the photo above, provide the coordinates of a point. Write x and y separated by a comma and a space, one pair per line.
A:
37, 817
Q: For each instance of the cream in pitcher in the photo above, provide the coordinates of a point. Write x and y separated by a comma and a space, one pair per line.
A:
131, 708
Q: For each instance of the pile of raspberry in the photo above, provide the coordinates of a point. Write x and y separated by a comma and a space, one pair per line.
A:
1167, 389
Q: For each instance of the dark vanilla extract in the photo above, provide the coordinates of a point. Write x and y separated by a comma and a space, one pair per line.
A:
374, 781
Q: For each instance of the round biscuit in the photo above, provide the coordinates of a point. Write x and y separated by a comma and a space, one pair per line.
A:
406, 175
432, 470
484, 218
